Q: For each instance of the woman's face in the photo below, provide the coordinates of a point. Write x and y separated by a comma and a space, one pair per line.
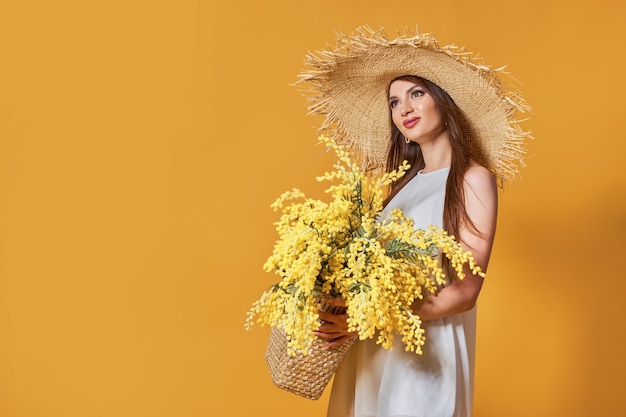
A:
414, 112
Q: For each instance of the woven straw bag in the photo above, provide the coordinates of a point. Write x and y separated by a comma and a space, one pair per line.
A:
303, 375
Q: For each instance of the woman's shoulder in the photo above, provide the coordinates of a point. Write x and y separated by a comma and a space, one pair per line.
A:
481, 197
477, 177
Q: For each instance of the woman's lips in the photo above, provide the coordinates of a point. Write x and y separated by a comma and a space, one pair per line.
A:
409, 123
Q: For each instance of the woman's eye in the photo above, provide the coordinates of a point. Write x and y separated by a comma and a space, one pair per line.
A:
393, 103
416, 93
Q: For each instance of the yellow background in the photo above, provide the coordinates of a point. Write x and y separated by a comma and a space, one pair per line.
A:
141, 143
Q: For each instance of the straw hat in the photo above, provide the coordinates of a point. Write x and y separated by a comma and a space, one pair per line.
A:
349, 86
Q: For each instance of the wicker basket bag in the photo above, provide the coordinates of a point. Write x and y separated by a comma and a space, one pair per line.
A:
304, 375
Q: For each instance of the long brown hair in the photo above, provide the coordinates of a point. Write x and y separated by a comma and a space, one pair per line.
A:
454, 214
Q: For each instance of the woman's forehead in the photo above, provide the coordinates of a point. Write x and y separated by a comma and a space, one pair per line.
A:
405, 82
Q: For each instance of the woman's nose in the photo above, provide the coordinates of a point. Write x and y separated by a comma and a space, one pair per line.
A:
406, 109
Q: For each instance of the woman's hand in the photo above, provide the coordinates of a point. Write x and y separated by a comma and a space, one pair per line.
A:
334, 327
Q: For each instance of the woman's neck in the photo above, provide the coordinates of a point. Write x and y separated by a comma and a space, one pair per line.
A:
437, 155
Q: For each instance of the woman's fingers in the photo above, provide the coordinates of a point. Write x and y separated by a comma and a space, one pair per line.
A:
334, 327
333, 318
324, 335
340, 340
337, 302
329, 329
335, 339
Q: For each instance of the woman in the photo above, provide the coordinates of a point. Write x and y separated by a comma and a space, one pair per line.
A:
409, 99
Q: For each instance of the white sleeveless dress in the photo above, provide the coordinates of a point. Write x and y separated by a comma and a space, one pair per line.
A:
374, 382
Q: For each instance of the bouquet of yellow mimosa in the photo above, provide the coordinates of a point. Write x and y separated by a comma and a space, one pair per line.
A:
343, 248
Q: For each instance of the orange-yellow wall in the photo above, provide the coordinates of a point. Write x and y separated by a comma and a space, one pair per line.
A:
141, 143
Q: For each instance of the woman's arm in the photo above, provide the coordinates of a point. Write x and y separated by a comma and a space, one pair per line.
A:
481, 203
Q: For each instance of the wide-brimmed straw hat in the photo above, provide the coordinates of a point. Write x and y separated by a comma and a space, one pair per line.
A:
349, 86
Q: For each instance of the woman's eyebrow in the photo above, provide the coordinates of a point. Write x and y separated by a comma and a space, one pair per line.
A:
407, 91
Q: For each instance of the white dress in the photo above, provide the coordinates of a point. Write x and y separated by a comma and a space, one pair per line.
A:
374, 382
